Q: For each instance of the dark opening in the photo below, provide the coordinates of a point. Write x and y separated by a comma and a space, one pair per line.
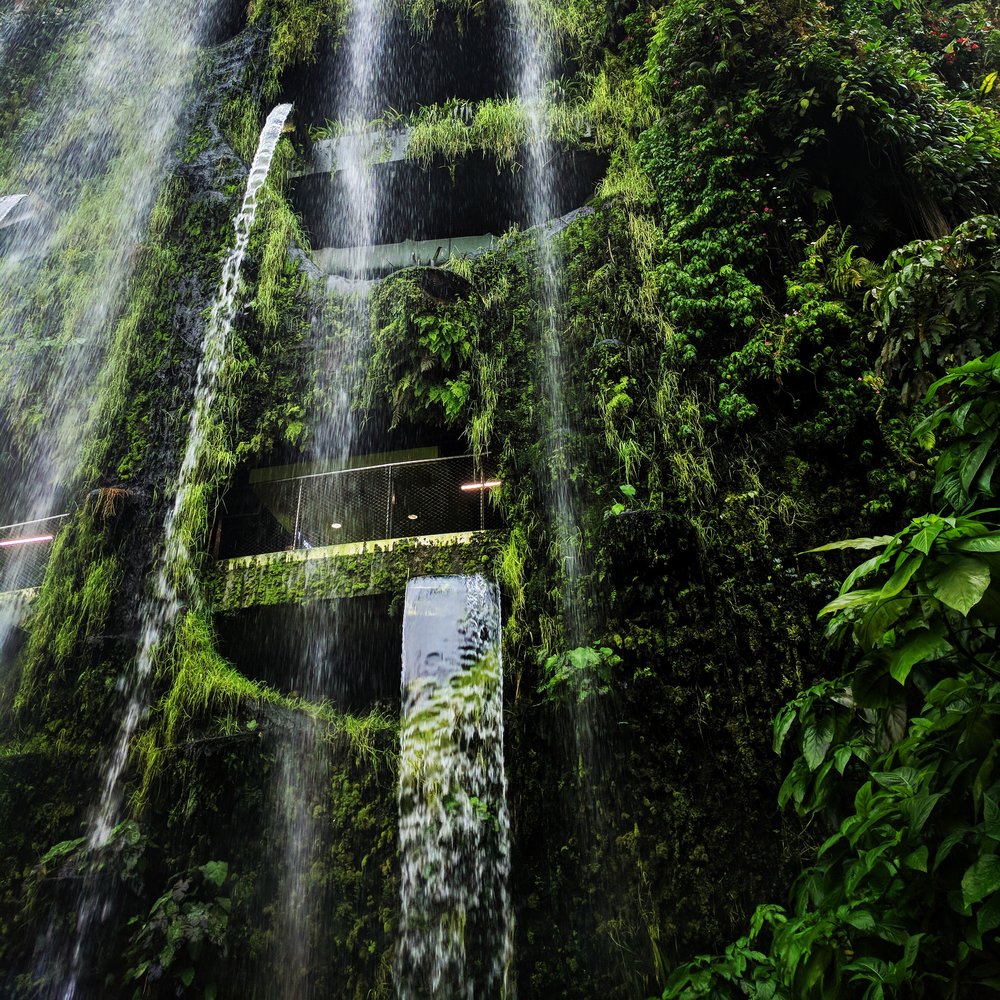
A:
346, 651
427, 205
229, 20
417, 69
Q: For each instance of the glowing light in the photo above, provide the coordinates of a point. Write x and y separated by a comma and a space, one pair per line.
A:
490, 484
411, 517
336, 525
26, 541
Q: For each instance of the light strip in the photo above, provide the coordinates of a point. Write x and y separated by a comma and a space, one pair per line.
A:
490, 484
26, 541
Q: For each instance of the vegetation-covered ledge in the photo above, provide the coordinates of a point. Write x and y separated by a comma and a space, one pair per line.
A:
352, 570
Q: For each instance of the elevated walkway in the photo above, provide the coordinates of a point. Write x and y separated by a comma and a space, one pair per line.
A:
360, 530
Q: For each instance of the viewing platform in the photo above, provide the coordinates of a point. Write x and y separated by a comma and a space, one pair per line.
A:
359, 530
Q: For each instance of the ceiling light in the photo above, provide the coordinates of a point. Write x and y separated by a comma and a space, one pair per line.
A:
336, 525
26, 541
411, 517
490, 484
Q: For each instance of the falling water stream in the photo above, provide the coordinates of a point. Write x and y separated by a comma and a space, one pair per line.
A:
174, 580
92, 163
587, 734
301, 770
534, 61
456, 929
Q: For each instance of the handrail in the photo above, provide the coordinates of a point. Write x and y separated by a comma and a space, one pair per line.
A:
364, 468
37, 520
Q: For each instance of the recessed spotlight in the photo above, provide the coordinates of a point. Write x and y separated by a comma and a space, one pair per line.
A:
411, 517
336, 525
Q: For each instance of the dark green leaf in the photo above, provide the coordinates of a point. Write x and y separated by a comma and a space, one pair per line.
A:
215, 872
972, 463
924, 645
816, 741
855, 599
981, 879
898, 581
925, 538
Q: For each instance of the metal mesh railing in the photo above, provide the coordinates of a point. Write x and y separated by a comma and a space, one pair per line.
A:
24, 552
398, 500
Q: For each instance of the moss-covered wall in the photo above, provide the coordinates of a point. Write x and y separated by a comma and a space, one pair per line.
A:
284, 578
745, 346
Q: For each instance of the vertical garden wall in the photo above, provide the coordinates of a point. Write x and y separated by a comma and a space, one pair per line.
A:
789, 235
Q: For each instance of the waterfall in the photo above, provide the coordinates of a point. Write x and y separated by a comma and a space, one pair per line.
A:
535, 65
92, 159
174, 579
454, 839
588, 728
301, 771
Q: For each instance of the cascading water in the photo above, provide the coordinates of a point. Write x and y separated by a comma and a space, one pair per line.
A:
534, 65
174, 578
301, 770
92, 163
456, 936
588, 730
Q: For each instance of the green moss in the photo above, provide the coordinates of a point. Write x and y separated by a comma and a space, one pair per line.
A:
74, 602
286, 578
296, 28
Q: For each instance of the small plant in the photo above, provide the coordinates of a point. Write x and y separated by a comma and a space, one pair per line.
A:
580, 674
184, 934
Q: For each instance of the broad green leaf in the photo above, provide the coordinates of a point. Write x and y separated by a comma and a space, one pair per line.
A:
981, 879
861, 919
948, 844
917, 860
855, 599
983, 543
988, 917
898, 581
918, 810
910, 950
991, 816
958, 418
782, 725
880, 619
816, 741
925, 538
927, 644
215, 872
902, 777
972, 463
863, 570
879, 542
961, 584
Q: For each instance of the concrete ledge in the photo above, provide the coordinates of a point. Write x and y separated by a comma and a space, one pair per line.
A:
344, 549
